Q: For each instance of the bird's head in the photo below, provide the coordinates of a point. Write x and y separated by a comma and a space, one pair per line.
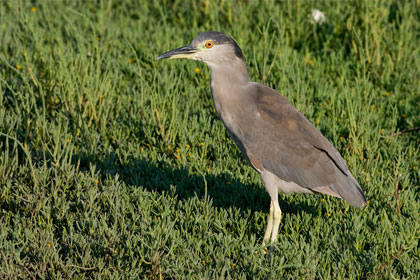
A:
211, 47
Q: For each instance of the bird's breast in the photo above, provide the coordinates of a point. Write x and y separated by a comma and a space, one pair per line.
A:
231, 123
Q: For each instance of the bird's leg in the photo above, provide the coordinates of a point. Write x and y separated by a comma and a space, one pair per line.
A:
277, 219
269, 225
271, 185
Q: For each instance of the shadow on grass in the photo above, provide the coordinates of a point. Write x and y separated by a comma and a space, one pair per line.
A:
222, 189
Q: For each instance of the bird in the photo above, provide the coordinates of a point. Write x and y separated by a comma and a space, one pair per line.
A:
278, 141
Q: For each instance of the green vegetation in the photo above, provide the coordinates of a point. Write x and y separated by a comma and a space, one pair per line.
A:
115, 165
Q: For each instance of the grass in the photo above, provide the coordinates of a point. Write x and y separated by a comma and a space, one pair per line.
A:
115, 165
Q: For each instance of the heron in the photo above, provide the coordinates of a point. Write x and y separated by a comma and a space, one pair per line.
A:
277, 140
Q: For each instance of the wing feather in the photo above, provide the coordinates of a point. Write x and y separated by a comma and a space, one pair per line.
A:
288, 145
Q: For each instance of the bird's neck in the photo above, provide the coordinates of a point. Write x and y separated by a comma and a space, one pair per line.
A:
228, 81
232, 72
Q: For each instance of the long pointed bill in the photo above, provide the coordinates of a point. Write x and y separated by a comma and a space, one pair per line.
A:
184, 52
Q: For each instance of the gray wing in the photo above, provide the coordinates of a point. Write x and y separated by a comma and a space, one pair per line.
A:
288, 145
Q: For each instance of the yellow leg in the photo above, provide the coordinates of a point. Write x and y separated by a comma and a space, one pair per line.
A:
277, 219
271, 183
269, 225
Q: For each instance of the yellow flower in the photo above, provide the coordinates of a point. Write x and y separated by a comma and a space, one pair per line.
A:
329, 214
68, 140
341, 138
33, 9
142, 149
195, 172
203, 262
49, 244
372, 107
310, 61
130, 61
382, 130
202, 144
148, 145
229, 182
96, 181
18, 67
197, 70
177, 151
404, 115
368, 202
189, 154
233, 265
387, 93
187, 146
317, 122
178, 156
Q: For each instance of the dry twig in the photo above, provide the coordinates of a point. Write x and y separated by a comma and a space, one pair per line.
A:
379, 272
396, 188
405, 131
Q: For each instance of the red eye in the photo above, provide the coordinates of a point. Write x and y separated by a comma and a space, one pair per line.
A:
209, 44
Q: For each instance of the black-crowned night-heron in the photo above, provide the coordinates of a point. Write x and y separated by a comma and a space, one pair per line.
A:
278, 141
